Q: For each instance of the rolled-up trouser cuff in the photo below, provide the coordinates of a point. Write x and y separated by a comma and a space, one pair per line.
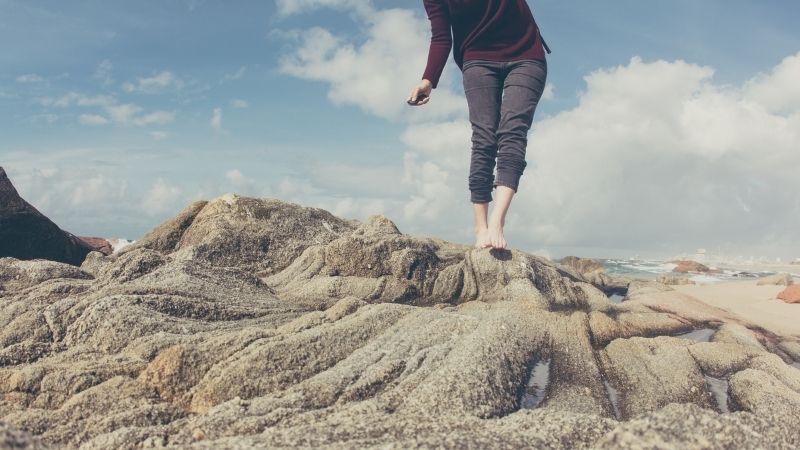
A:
480, 197
507, 179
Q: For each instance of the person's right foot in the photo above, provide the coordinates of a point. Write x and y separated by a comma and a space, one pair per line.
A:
482, 238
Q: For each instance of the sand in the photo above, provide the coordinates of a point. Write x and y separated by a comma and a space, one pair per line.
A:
755, 304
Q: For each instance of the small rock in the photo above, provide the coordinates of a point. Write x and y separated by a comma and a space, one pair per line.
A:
783, 279
791, 294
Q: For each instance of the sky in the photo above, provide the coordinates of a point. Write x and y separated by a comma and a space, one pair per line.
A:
665, 126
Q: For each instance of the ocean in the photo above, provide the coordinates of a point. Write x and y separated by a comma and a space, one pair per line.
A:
651, 269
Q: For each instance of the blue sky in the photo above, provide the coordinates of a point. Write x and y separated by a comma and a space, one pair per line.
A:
114, 115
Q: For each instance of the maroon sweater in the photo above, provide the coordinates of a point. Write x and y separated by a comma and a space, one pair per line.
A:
494, 30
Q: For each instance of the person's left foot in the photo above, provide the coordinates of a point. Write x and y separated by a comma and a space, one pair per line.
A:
496, 238
482, 238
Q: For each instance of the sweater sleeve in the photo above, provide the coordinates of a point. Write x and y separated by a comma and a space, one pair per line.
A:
441, 39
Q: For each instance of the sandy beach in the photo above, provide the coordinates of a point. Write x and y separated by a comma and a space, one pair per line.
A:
753, 303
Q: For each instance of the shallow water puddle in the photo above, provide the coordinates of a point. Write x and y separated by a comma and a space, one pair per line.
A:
616, 298
699, 335
537, 384
719, 390
613, 397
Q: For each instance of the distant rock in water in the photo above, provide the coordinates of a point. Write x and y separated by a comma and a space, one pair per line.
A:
101, 245
258, 323
25, 233
684, 266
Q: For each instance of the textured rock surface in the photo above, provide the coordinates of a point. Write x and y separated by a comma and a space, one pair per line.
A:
98, 244
672, 279
25, 233
248, 323
791, 294
594, 272
684, 266
783, 279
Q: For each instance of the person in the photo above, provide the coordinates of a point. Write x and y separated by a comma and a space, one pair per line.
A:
500, 51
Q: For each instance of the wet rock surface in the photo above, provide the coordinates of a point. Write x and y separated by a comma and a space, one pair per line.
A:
257, 323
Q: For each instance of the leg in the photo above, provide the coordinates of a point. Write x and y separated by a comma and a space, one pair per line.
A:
483, 90
481, 211
523, 88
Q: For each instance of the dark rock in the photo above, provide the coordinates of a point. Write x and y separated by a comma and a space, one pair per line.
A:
25, 233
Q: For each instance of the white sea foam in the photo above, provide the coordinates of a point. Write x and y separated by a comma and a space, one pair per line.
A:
704, 279
119, 244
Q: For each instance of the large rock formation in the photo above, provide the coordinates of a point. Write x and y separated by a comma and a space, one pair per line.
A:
594, 272
248, 323
685, 266
25, 233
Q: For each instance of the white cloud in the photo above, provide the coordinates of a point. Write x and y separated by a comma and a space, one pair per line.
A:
95, 189
103, 72
43, 118
30, 78
549, 92
161, 198
656, 156
239, 103
93, 119
779, 90
157, 83
154, 118
662, 155
235, 75
288, 7
159, 135
216, 120
358, 208
124, 114
242, 184
376, 74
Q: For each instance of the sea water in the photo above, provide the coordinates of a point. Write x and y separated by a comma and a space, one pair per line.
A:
651, 269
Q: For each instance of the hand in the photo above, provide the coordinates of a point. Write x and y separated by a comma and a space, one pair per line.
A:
423, 88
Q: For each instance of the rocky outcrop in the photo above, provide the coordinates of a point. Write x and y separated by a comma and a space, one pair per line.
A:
98, 244
782, 279
594, 272
249, 323
791, 294
685, 266
25, 233
672, 279
582, 265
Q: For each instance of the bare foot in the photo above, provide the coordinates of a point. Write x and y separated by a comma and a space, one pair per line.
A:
496, 238
482, 238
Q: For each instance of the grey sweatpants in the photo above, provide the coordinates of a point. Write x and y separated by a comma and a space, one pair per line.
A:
502, 98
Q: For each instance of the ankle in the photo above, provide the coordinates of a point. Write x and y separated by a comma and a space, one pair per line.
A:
497, 222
